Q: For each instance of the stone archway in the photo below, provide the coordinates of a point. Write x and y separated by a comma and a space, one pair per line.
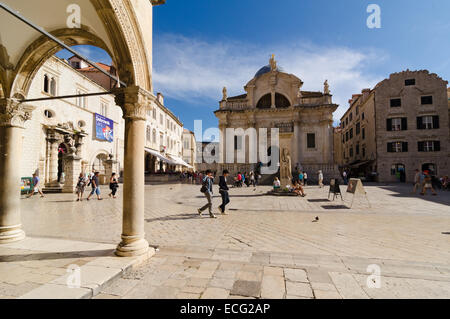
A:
123, 29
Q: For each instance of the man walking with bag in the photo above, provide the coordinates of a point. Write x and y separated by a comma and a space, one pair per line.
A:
223, 189
207, 189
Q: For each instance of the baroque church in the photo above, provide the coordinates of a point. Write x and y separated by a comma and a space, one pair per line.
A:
275, 99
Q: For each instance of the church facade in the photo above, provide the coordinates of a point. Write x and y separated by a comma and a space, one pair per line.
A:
275, 99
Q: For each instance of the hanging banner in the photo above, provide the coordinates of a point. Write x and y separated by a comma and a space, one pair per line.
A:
104, 128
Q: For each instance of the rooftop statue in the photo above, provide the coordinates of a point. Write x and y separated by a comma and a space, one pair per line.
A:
326, 87
273, 63
225, 93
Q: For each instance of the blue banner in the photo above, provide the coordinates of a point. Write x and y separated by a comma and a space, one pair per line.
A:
104, 128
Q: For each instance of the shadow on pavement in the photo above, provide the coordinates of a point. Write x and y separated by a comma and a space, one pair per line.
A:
174, 217
55, 256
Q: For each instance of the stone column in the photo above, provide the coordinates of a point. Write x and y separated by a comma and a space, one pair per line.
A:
72, 169
133, 101
12, 119
53, 140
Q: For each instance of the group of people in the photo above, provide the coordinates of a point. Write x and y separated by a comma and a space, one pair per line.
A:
248, 179
425, 181
207, 190
92, 180
296, 187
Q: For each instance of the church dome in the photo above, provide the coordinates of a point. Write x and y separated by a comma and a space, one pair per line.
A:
266, 69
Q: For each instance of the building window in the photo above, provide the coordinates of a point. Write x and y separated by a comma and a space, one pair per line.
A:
363, 133
397, 147
46, 84
409, 82
358, 128
154, 113
362, 116
53, 87
48, 114
397, 124
346, 136
186, 144
396, 102
428, 122
357, 110
351, 117
154, 136
426, 100
351, 133
346, 121
351, 151
364, 152
161, 119
429, 146
104, 109
357, 149
311, 140
148, 134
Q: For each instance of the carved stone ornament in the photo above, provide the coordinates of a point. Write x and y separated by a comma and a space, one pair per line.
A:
134, 102
13, 113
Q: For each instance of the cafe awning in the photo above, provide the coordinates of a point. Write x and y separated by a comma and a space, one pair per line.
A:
180, 161
160, 156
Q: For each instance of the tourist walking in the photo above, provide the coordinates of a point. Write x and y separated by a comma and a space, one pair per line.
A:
417, 181
94, 182
300, 177
252, 179
207, 189
344, 176
305, 178
223, 190
427, 184
36, 186
81, 186
320, 179
113, 185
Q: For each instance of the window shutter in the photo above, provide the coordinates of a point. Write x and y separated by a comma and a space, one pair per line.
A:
404, 123
437, 146
389, 147
404, 146
389, 124
436, 121
420, 146
419, 123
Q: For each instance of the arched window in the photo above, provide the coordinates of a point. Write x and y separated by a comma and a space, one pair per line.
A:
266, 101
53, 87
46, 84
154, 136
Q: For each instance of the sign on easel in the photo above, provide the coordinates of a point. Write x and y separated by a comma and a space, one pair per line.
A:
335, 189
355, 186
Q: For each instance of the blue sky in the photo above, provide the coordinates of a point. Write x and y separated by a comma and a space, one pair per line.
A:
201, 46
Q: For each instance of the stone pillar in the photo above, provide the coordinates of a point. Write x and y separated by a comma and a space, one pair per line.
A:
133, 101
53, 142
12, 119
72, 169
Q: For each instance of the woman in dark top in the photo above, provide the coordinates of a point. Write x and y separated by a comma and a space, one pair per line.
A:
113, 185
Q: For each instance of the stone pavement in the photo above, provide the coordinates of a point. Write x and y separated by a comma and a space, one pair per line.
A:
268, 247
43, 268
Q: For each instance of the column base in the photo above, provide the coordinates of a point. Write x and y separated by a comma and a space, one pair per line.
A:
11, 234
132, 246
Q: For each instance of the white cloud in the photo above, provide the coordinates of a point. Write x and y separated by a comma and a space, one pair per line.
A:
192, 69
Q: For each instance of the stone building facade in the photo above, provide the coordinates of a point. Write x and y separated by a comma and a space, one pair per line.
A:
274, 99
189, 149
406, 121
61, 139
164, 131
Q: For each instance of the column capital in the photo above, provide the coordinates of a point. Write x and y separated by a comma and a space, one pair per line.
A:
13, 113
133, 100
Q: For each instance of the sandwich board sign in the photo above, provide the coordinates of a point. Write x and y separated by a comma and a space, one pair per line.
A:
335, 189
355, 186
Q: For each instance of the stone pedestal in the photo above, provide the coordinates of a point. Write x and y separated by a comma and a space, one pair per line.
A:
72, 169
133, 101
52, 185
12, 119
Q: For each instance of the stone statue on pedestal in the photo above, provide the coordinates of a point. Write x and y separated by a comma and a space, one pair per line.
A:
286, 167
326, 87
273, 63
225, 93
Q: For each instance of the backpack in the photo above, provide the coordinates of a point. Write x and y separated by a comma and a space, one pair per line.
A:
204, 187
